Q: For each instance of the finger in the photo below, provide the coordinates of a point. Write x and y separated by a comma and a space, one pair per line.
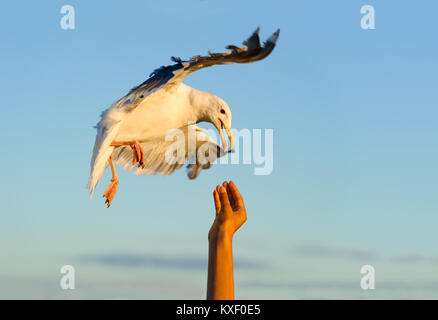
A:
217, 202
230, 195
225, 202
225, 185
238, 200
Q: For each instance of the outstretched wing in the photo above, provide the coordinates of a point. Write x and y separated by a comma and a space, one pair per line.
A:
167, 76
156, 160
251, 51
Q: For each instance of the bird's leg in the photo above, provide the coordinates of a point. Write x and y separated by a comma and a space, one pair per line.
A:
112, 188
138, 153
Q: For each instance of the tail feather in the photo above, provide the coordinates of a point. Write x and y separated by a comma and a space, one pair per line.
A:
98, 168
106, 132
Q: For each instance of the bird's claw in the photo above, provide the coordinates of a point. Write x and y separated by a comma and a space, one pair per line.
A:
138, 154
111, 191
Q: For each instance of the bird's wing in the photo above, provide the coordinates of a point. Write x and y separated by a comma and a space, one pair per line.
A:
156, 160
157, 79
251, 51
168, 76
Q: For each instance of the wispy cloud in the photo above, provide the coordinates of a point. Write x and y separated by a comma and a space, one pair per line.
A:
409, 258
162, 261
140, 261
95, 287
320, 251
414, 258
434, 259
362, 255
345, 285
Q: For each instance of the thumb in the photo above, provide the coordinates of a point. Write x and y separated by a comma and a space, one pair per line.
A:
225, 202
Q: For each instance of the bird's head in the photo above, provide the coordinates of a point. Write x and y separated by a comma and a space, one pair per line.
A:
220, 116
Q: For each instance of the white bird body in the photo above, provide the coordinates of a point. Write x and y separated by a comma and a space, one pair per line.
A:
142, 118
155, 116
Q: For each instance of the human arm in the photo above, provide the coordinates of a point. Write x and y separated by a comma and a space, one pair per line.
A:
230, 215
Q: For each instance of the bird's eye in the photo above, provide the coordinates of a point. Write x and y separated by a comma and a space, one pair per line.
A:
223, 111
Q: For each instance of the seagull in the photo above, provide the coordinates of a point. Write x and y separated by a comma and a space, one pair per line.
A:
132, 131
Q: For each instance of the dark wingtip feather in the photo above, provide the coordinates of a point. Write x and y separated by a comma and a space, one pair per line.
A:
274, 37
176, 59
253, 41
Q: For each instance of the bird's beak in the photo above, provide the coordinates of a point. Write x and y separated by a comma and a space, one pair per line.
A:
229, 134
230, 137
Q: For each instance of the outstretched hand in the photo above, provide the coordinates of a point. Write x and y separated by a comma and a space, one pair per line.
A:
230, 211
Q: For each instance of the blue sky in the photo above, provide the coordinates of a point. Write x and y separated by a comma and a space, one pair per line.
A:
354, 114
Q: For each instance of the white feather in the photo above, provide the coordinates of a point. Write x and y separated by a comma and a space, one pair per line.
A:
155, 155
107, 129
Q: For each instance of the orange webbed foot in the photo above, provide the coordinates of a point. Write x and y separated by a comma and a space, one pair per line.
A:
111, 191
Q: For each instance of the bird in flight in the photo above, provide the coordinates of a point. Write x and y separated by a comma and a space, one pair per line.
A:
132, 131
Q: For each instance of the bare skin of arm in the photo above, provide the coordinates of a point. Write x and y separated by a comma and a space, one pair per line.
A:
230, 215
